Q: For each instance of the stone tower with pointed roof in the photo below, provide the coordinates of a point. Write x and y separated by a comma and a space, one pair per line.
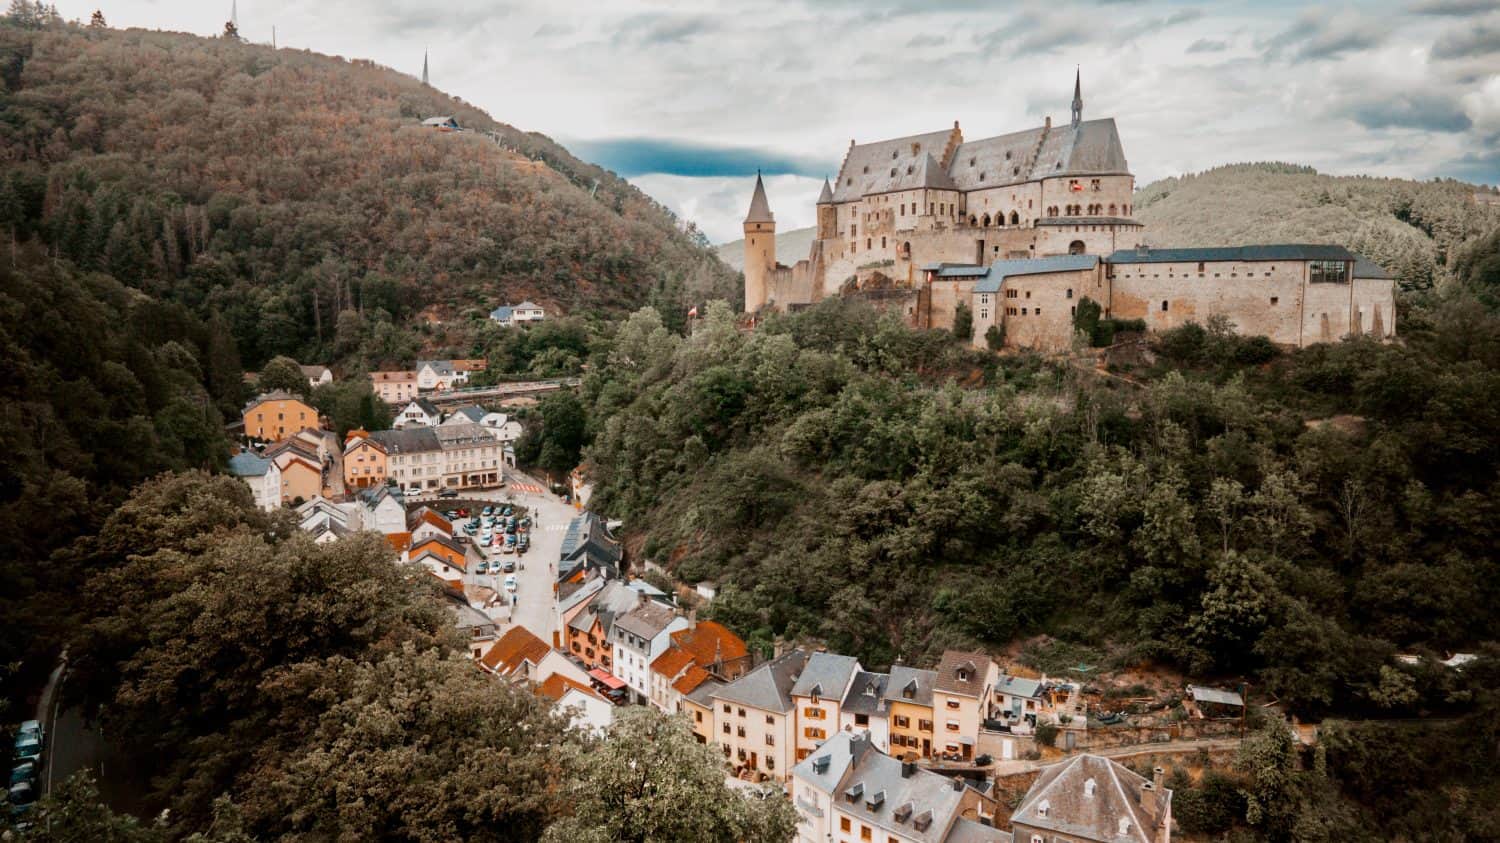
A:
828, 217
760, 247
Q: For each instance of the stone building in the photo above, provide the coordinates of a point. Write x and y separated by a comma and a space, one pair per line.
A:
1020, 227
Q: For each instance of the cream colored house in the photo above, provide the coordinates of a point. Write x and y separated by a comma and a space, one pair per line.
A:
755, 719
818, 697
961, 696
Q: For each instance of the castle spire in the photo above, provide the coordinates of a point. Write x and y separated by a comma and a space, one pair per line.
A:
424, 67
760, 209
1077, 97
826, 197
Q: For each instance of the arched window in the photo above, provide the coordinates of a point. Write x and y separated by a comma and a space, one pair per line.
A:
986, 220
1111, 210
1075, 248
1015, 219
973, 220
1163, 307
906, 249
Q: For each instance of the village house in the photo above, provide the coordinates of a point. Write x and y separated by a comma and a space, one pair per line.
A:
524, 313
864, 709
960, 700
439, 375
444, 557
394, 388
695, 702
755, 719
467, 414
327, 521
478, 629
848, 791
1088, 799
1019, 700
818, 696
520, 656
908, 697
588, 549
277, 415
262, 476
637, 638
301, 469
424, 523
419, 412
585, 707
472, 458
588, 626
364, 461
466, 367
383, 509
703, 650
317, 375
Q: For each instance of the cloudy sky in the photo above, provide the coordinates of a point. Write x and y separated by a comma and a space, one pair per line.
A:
688, 97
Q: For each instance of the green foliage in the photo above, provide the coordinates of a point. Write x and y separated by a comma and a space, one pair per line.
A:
351, 402
554, 436
994, 337
963, 322
1046, 734
284, 374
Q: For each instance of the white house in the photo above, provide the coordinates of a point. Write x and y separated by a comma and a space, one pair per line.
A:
419, 413
586, 708
317, 375
637, 637
505, 428
507, 315
439, 374
262, 475
382, 508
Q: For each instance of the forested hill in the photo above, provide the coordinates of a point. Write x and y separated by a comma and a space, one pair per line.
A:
1412, 228
297, 194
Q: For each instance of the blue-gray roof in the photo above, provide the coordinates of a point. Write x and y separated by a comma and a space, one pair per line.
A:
501, 313
1266, 252
1366, 268
246, 464
1000, 270
827, 675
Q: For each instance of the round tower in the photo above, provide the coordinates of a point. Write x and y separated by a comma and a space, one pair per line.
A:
760, 248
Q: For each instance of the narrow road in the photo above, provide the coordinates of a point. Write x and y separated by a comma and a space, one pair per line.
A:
1016, 768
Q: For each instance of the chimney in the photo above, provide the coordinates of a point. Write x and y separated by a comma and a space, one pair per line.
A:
692, 619
1158, 775
1148, 799
958, 784
908, 769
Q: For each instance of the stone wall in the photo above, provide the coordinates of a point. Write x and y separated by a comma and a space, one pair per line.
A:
1259, 298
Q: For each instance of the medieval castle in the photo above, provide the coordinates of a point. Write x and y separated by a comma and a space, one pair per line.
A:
1020, 227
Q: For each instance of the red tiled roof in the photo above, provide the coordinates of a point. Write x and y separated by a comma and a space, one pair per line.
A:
707, 640
431, 517
399, 541
556, 685
671, 663
514, 648
690, 680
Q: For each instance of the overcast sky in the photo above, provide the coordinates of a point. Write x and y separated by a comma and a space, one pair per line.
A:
688, 98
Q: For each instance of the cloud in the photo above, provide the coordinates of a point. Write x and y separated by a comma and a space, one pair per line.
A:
1318, 36
1184, 16
636, 156
717, 204
1411, 110
1457, 8
552, 29
664, 30
1204, 45
1481, 39
927, 41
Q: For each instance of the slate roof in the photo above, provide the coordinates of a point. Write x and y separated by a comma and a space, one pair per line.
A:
528, 305
313, 372
1018, 686
881, 167
1071, 811
704, 694
760, 209
769, 686
372, 496
275, 395
827, 675
866, 694
1093, 148
826, 197
955, 661
588, 545
412, 440
968, 831
439, 367
1000, 270
901, 676
1246, 254
472, 412
246, 464
825, 768
1366, 268
502, 313
459, 435
613, 599
647, 620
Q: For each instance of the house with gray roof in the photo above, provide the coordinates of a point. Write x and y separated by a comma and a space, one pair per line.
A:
754, 717
588, 548
262, 475
637, 637
864, 709
1089, 799
467, 414
419, 413
818, 696
850, 790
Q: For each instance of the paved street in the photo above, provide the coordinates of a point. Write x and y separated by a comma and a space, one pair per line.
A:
536, 608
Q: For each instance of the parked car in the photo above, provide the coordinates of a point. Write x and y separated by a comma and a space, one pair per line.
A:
489, 510
31, 727
486, 541
451, 514
507, 511
22, 798
510, 566
28, 747
23, 772
448, 493
510, 582
482, 568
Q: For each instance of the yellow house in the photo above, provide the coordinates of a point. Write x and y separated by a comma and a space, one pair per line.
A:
301, 478
277, 415
909, 695
364, 461
818, 695
695, 689
961, 693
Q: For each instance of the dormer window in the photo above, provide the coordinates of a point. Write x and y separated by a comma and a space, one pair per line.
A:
1042, 809
910, 691
1088, 788
1124, 827
963, 675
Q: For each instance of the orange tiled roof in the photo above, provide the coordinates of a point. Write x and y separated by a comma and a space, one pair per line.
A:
399, 541
689, 681
469, 365
435, 520
514, 648
671, 663
710, 638
556, 685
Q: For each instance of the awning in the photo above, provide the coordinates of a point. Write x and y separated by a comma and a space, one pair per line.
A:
606, 679
966, 741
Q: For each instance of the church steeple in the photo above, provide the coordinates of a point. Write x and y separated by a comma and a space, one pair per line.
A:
1077, 98
424, 67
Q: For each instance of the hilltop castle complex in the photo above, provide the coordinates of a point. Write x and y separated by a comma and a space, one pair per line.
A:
1020, 227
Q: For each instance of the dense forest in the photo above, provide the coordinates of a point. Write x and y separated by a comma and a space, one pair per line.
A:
296, 196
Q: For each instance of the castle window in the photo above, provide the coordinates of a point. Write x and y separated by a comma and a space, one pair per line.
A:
1028, 294
1274, 299
894, 153
1015, 218
1007, 155
1023, 311
1163, 307
981, 176
984, 313
1111, 210
1095, 184
867, 168
893, 172
908, 169
971, 162
1070, 292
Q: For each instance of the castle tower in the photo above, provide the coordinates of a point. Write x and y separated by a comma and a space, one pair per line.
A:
827, 214
760, 247
1077, 98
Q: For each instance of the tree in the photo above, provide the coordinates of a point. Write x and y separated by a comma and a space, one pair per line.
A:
1268, 759
963, 322
283, 373
994, 337
231, 31
650, 781
96, 20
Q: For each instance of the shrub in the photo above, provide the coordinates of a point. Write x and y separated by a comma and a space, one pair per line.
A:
994, 337
1046, 734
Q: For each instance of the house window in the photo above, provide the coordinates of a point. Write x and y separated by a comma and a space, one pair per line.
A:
698, 717
742, 712
953, 704
770, 740
1327, 272
1163, 307
1274, 299
864, 832
726, 728
902, 721
861, 719
1070, 292
843, 823
924, 725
